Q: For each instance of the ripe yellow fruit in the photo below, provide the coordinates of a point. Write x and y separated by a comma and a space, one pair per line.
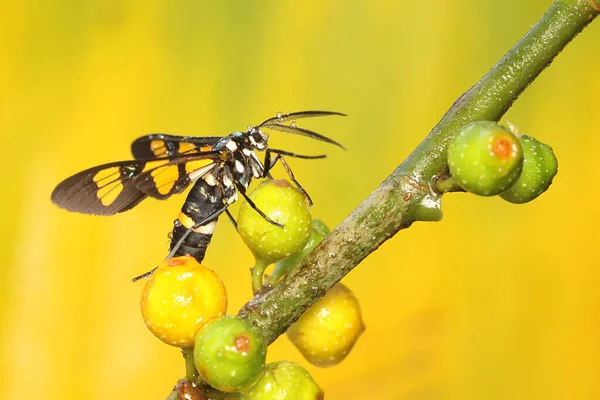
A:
179, 298
328, 330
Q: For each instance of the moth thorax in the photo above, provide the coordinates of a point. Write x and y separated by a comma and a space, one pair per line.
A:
257, 138
231, 145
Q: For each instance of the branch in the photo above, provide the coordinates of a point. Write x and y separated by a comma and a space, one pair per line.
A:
405, 196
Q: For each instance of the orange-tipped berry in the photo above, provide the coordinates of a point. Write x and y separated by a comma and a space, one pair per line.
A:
485, 158
229, 354
180, 297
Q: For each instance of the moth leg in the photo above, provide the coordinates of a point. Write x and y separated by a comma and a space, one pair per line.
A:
271, 161
231, 219
242, 190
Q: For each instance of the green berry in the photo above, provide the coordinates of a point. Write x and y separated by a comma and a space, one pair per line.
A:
328, 330
284, 204
539, 168
229, 354
317, 233
485, 158
284, 380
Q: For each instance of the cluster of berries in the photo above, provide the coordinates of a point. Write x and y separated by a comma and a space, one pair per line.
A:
488, 159
184, 305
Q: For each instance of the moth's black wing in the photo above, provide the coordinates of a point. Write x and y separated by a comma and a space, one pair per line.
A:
119, 186
163, 177
103, 190
159, 145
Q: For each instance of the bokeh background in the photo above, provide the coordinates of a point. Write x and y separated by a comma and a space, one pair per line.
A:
497, 301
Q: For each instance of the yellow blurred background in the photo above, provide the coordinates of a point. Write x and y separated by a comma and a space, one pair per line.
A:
497, 301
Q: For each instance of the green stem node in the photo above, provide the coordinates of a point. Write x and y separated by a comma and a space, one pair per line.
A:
448, 185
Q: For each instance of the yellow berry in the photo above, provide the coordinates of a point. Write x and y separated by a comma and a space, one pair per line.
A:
179, 298
327, 331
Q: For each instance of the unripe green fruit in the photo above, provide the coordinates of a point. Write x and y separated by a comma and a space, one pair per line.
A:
539, 168
229, 354
485, 158
284, 380
318, 232
328, 330
284, 204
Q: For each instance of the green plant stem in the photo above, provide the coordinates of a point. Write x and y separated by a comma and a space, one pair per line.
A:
448, 185
258, 271
405, 197
190, 367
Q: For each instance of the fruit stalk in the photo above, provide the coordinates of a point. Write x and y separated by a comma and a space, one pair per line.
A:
191, 373
405, 196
